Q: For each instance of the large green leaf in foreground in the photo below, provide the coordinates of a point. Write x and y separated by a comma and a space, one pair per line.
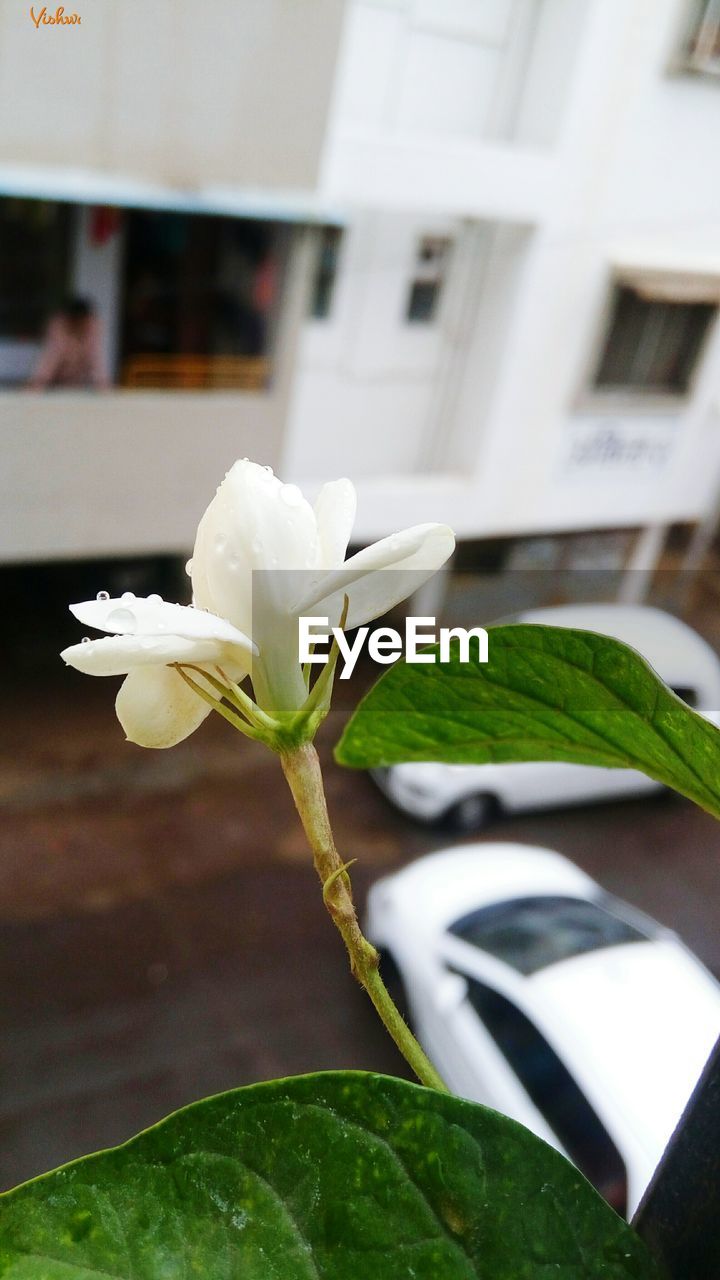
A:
339, 1176
546, 693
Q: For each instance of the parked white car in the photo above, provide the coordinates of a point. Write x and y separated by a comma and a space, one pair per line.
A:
467, 795
535, 992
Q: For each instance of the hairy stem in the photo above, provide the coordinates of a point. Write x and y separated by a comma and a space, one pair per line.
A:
302, 770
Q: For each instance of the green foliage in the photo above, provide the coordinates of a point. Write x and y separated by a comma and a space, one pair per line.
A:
327, 1177
546, 693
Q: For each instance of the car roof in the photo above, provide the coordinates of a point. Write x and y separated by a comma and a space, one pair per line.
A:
435, 891
676, 652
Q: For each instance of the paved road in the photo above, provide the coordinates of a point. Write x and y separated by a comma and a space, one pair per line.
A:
161, 929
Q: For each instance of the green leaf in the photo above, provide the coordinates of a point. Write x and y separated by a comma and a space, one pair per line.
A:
340, 1176
546, 693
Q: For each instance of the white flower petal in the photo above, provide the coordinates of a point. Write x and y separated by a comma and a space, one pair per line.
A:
253, 522
335, 508
116, 655
381, 575
151, 616
156, 708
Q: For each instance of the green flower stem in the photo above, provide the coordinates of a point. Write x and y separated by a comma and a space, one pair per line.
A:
302, 770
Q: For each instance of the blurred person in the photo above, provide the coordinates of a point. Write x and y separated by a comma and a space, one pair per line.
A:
72, 350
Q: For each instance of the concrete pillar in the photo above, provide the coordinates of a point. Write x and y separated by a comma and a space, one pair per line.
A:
642, 563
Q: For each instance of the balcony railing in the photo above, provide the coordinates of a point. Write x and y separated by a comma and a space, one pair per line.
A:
195, 373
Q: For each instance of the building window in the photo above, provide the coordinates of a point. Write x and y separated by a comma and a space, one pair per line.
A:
554, 1092
431, 259
653, 343
200, 299
701, 51
326, 275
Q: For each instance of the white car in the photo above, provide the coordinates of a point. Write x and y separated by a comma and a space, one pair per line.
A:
538, 994
466, 796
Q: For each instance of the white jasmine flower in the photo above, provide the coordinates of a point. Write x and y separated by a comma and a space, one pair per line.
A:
262, 558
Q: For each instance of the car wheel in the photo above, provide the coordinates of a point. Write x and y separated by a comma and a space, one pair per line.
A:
471, 813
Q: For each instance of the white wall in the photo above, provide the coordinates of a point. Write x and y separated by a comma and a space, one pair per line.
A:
629, 176
368, 379
451, 105
185, 93
450, 68
637, 185
120, 472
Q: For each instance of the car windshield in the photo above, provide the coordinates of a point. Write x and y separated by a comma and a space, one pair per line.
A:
532, 933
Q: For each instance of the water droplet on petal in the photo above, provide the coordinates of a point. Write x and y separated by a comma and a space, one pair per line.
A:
103, 595
291, 495
189, 568
220, 542
127, 596
86, 640
122, 619
268, 470
155, 598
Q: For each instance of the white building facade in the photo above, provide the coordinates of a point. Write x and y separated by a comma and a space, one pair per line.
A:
505, 215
